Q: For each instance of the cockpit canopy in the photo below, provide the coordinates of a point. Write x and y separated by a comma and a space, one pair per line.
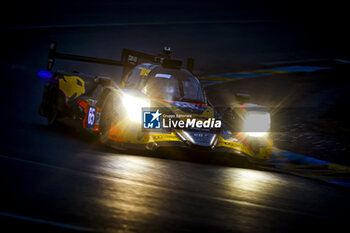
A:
166, 84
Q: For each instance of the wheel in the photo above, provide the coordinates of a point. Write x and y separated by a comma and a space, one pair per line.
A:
55, 108
107, 112
52, 112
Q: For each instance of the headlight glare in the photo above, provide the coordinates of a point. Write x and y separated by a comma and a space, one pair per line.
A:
133, 106
257, 124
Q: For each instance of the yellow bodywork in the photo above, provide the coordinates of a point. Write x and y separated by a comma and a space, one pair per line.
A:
131, 132
263, 153
71, 85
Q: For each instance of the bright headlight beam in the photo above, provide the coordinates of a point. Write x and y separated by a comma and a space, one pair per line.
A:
257, 124
133, 106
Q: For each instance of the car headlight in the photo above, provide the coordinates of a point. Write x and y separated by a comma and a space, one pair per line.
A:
257, 123
133, 106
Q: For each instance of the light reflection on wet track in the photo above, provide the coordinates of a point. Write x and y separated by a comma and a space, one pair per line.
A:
106, 191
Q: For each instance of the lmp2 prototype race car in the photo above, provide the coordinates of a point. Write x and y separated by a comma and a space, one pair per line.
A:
157, 104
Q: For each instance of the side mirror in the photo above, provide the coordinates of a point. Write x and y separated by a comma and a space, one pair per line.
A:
242, 98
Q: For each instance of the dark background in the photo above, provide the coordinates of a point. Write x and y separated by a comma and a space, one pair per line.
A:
64, 177
246, 32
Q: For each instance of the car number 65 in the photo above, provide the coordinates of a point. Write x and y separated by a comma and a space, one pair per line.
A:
91, 116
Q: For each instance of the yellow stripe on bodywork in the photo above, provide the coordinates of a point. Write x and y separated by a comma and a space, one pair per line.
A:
144, 72
164, 137
264, 152
70, 85
233, 145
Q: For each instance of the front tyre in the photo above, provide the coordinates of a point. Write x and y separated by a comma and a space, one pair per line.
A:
107, 113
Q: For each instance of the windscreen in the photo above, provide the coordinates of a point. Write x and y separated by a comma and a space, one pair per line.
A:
174, 86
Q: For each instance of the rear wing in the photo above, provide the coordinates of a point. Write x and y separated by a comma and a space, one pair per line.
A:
129, 59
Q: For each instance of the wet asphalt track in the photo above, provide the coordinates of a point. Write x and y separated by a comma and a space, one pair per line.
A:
76, 185
58, 180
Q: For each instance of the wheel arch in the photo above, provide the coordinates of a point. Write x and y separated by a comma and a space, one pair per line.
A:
104, 93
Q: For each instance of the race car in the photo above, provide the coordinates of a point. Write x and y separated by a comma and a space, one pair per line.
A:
157, 104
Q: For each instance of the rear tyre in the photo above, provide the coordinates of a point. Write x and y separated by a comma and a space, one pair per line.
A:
52, 112
55, 108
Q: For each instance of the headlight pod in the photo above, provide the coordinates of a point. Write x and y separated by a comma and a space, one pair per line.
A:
133, 107
257, 124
